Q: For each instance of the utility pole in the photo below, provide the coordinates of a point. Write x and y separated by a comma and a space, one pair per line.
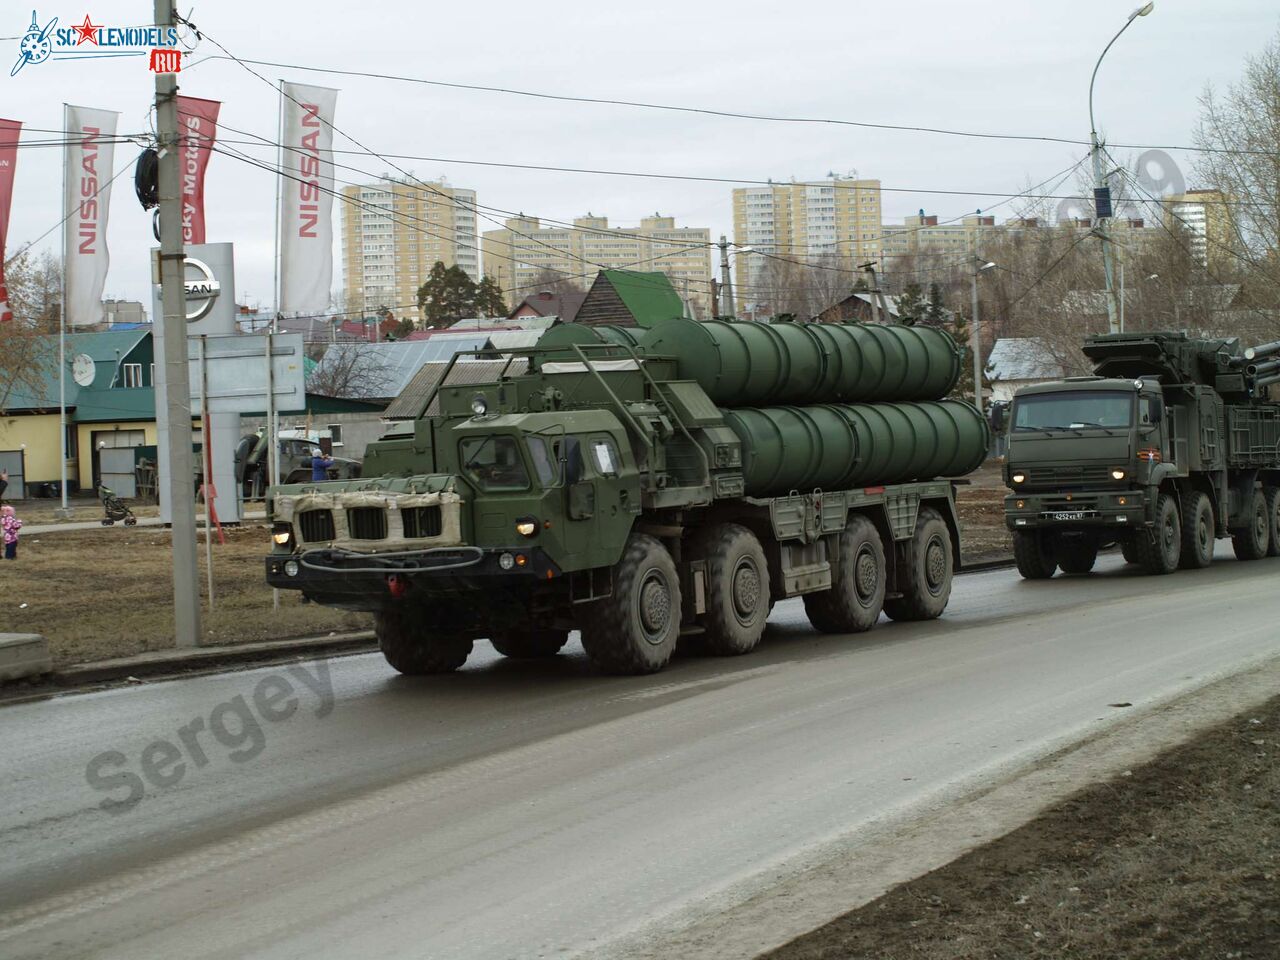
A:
177, 398
726, 280
975, 339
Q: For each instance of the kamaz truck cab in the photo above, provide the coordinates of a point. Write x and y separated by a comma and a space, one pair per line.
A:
1172, 445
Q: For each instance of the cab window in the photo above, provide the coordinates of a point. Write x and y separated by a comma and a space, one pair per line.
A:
545, 464
605, 458
1144, 410
494, 463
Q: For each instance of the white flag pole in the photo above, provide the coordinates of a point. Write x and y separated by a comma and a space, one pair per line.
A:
65, 511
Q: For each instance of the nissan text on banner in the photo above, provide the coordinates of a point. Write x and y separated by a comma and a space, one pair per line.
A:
198, 120
90, 156
9, 131
306, 199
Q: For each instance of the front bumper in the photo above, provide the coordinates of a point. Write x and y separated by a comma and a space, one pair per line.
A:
347, 575
1039, 510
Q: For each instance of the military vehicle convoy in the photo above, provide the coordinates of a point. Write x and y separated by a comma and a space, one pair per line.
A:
649, 488
1171, 444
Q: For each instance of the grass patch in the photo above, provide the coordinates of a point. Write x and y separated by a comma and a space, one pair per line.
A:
95, 594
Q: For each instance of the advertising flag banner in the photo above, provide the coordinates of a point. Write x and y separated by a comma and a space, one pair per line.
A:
9, 130
90, 157
198, 120
306, 199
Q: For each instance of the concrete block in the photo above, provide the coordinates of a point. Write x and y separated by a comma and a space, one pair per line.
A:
23, 655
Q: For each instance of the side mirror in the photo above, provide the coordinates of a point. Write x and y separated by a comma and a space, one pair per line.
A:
996, 417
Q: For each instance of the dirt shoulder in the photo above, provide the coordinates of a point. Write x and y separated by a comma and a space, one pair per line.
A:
108, 592
1179, 858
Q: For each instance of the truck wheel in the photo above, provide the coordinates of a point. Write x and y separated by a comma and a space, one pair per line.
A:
529, 644
635, 630
415, 652
856, 597
1272, 496
1161, 549
1129, 550
1077, 556
1197, 532
737, 589
1033, 554
1251, 542
928, 576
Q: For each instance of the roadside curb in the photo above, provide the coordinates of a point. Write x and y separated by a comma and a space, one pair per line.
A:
161, 664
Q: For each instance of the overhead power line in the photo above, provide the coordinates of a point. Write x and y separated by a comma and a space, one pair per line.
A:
714, 112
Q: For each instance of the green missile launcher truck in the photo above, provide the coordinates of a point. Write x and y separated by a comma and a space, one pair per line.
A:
648, 488
1170, 445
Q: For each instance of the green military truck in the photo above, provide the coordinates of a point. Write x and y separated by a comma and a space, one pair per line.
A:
1171, 444
648, 488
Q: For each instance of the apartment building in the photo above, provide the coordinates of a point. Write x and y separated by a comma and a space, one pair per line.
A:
526, 249
810, 221
393, 232
1205, 216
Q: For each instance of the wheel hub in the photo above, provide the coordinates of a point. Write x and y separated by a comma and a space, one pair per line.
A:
746, 590
935, 564
866, 575
655, 605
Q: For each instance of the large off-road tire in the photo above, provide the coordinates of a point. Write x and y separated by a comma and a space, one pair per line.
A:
1272, 496
529, 643
856, 597
1251, 542
415, 651
1161, 548
1198, 531
737, 589
925, 583
635, 630
1076, 555
1129, 550
1033, 554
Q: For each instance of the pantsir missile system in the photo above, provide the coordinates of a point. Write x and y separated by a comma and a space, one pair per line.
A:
649, 488
1172, 444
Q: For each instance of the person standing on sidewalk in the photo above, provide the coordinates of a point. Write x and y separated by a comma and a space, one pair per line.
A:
11, 525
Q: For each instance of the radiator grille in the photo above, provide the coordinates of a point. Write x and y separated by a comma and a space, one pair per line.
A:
316, 526
422, 521
1071, 475
367, 523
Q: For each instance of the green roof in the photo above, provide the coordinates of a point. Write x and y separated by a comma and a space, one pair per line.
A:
108, 351
649, 297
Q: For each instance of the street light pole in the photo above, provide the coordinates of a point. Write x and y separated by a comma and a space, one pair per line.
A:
1101, 193
975, 339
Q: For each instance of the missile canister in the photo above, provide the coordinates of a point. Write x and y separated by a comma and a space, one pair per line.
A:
564, 335
831, 446
741, 364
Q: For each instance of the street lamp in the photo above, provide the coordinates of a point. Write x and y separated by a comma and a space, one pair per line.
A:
979, 266
1101, 194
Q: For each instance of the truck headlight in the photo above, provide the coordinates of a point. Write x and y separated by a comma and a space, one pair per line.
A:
1118, 474
291, 567
527, 526
282, 534
478, 405
1019, 476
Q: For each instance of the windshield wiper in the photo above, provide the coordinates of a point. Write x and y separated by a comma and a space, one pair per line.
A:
1090, 423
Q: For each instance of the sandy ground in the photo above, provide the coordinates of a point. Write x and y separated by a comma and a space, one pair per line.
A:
43, 511
1179, 858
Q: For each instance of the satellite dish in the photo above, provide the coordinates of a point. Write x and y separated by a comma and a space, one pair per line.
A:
83, 369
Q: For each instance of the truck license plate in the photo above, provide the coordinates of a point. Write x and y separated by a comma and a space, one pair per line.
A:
1068, 515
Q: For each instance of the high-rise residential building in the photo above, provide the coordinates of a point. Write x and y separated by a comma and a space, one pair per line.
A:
1204, 215
394, 231
811, 222
525, 253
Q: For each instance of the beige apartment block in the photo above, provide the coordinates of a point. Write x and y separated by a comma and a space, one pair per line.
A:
393, 232
1205, 215
524, 250
813, 222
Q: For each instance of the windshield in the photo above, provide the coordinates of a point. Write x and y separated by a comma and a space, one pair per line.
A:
1073, 410
494, 463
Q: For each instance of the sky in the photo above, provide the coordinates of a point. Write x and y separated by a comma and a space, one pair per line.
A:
994, 67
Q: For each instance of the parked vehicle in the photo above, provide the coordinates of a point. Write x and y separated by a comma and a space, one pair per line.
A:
1172, 444
296, 450
650, 489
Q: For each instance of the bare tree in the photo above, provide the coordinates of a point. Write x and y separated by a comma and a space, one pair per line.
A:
548, 280
355, 371
28, 356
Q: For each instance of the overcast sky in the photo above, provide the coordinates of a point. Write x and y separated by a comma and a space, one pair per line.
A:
998, 67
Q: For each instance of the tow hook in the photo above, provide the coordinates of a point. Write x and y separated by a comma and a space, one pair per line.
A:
396, 586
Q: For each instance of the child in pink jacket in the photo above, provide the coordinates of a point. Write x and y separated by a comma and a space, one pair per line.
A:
11, 525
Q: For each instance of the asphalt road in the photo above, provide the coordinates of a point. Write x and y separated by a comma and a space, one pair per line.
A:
521, 810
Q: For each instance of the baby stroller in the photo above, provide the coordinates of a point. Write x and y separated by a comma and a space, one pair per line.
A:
114, 508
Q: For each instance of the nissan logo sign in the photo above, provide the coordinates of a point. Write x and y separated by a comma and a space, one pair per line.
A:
201, 288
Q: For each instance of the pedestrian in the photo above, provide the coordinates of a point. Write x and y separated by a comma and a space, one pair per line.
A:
4, 483
320, 465
11, 525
